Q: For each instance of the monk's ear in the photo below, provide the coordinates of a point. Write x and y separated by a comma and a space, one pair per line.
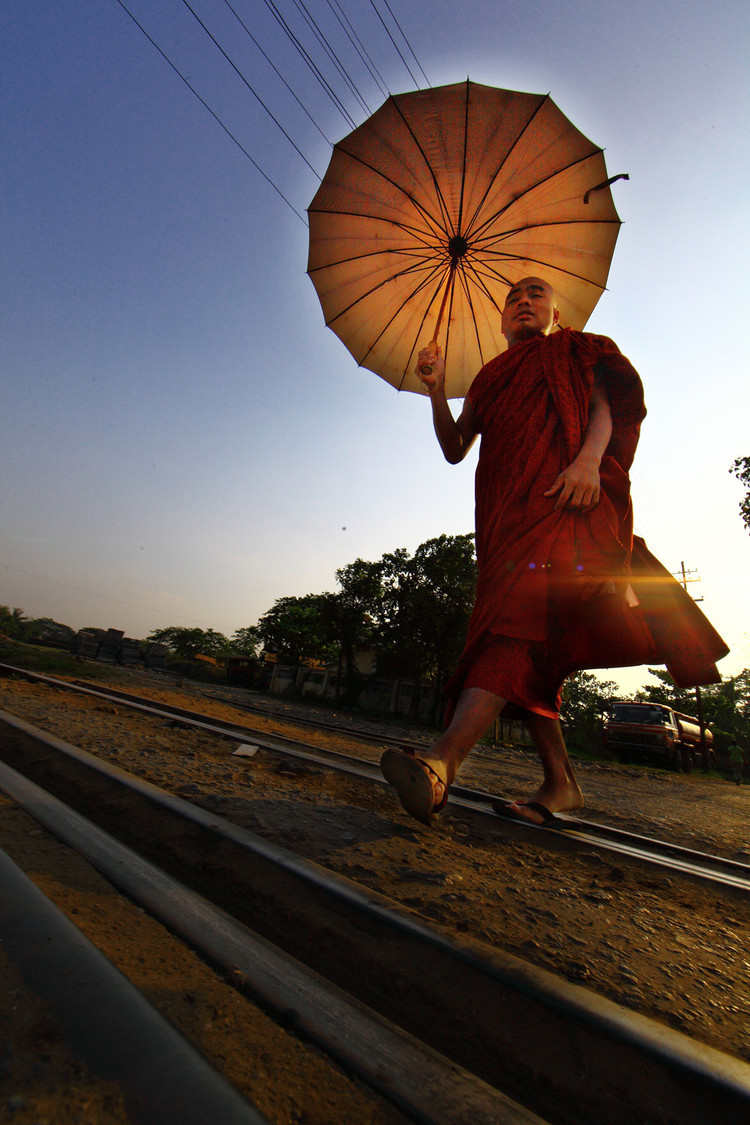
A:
555, 316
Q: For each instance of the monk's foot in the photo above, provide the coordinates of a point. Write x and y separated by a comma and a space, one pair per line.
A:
548, 800
420, 784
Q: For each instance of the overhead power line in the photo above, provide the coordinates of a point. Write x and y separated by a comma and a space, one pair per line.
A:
250, 87
405, 39
395, 44
358, 45
273, 9
213, 113
276, 70
326, 45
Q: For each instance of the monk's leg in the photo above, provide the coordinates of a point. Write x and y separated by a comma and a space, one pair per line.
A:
421, 783
475, 712
559, 791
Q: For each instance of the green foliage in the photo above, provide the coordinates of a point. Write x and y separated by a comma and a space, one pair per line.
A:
726, 706
245, 642
428, 602
666, 692
412, 609
741, 469
50, 661
12, 622
297, 628
190, 642
585, 701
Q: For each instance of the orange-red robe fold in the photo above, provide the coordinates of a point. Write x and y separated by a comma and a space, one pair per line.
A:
555, 588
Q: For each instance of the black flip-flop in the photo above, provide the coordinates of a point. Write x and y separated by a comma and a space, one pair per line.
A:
506, 808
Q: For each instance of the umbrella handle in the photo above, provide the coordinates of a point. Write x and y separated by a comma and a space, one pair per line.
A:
426, 368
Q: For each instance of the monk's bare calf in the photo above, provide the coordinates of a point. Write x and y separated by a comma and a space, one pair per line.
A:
475, 712
559, 791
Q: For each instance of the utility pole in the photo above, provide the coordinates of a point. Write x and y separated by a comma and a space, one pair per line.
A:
686, 576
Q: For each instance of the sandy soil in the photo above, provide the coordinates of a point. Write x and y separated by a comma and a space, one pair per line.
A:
669, 949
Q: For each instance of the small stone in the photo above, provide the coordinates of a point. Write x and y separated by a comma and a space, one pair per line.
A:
578, 971
598, 896
411, 875
245, 750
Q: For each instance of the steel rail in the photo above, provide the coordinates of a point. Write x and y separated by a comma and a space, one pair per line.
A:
568, 833
106, 1020
364, 1043
568, 1054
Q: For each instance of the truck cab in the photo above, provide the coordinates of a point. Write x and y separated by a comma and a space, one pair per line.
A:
634, 729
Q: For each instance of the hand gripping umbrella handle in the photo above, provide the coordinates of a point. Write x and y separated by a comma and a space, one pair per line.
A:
426, 368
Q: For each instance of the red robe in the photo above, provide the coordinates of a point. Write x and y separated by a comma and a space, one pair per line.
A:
559, 591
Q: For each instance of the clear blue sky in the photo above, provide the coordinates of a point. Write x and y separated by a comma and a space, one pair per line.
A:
182, 439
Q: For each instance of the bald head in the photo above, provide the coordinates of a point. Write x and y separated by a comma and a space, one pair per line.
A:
530, 310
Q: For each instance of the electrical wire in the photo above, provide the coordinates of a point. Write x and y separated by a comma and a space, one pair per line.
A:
276, 70
395, 44
358, 45
213, 113
250, 87
311, 64
405, 39
326, 45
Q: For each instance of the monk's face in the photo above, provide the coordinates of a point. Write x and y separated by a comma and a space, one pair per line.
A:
530, 310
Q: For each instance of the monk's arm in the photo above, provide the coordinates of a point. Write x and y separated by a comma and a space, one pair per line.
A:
578, 486
455, 435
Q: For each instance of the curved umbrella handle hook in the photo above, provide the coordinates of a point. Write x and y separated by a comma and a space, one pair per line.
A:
606, 183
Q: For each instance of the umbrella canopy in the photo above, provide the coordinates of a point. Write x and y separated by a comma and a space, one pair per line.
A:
435, 206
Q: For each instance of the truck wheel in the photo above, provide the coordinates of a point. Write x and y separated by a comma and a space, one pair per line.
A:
675, 759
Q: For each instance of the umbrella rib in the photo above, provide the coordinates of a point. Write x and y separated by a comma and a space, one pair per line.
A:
452, 284
410, 297
434, 220
398, 223
412, 250
441, 200
487, 249
467, 291
385, 281
480, 282
533, 187
415, 232
544, 98
430, 303
541, 262
463, 166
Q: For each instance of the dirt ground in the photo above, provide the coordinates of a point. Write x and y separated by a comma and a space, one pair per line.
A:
672, 950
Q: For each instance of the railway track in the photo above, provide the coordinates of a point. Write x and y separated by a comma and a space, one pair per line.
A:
554, 1049
570, 833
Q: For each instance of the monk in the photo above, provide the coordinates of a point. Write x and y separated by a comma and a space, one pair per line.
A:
563, 584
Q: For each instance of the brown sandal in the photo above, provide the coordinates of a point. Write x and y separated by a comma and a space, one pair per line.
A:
414, 782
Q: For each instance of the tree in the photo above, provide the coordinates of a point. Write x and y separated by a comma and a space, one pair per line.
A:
726, 705
12, 622
430, 597
189, 642
741, 469
585, 699
666, 692
355, 615
245, 641
297, 627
